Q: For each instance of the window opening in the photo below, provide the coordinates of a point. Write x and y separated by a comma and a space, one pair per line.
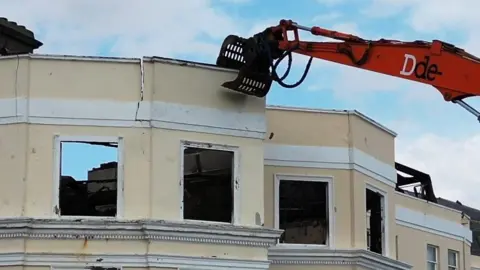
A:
452, 260
375, 221
208, 193
88, 179
432, 253
303, 212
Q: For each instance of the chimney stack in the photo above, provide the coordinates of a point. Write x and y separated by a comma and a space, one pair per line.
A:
16, 39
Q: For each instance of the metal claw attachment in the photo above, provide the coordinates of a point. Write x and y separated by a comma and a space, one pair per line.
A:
253, 58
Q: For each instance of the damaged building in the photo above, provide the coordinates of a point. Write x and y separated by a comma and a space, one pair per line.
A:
127, 163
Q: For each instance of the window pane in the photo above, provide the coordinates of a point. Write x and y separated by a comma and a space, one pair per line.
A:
431, 266
431, 254
452, 268
452, 258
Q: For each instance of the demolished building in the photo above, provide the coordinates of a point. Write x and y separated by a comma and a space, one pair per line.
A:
202, 178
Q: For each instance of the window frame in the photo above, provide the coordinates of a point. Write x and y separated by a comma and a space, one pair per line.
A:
236, 178
57, 159
436, 256
330, 242
456, 266
385, 217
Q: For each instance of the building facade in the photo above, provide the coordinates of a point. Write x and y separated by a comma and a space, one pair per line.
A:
199, 177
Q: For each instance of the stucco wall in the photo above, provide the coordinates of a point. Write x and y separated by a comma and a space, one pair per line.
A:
104, 97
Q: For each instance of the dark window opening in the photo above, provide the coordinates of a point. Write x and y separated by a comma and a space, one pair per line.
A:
374, 211
88, 179
208, 184
303, 212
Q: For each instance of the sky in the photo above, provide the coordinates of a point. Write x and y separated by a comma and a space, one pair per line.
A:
437, 137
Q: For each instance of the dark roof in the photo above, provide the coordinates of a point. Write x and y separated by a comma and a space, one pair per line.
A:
16, 39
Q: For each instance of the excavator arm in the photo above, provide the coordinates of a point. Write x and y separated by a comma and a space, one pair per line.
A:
451, 70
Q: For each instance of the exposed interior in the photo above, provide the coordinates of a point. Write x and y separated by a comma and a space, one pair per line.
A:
208, 184
414, 182
303, 212
96, 193
375, 222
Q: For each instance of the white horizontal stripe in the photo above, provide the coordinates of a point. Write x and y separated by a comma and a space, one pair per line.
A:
432, 224
133, 114
324, 157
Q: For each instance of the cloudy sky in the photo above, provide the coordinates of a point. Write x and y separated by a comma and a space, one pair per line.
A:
434, 136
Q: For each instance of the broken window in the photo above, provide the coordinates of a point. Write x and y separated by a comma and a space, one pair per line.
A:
88, 179
303, 212
375, 221
208, 190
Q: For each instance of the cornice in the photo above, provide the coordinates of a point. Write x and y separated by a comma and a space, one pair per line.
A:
155, 230
62, 261
315, 256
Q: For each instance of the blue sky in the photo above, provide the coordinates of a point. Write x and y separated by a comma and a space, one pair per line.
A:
437, 137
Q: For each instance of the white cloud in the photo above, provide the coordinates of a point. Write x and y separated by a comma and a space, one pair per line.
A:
434, 17
451, 162
151, 27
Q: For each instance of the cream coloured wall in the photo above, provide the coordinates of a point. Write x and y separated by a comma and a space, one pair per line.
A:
420, 223
475, 262
13, 145
332, 143
430, 208
314, 127
172, 81
14, 77
24, 268
49, 268
357, 153
413, 248
61, 87
97, 97
312, 267
151, 171
84, 78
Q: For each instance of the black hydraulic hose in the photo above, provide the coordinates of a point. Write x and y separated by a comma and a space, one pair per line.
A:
274, 64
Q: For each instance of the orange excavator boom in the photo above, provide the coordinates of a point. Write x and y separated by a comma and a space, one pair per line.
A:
451, 70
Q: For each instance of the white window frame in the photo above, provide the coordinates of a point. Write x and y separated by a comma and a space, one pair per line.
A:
436, 255
236, 179
385, 217
57, 155
456, 266
330, 243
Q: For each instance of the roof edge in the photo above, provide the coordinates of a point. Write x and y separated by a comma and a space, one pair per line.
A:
188, 63
334, 111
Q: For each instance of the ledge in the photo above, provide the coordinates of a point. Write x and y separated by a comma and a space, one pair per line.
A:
320, 256
63, 261
156, 230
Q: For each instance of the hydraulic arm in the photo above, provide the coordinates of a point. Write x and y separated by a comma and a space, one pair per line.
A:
451, 70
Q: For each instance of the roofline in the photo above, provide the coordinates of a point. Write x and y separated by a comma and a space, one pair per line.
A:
428, 202
333, 111
173, 61
152, 59
74, 58
188, 63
